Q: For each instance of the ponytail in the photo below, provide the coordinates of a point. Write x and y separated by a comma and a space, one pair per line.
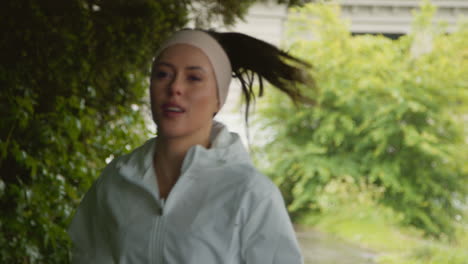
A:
252, 57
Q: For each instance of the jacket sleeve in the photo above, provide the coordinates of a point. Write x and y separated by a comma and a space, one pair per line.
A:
268, 235
86, 230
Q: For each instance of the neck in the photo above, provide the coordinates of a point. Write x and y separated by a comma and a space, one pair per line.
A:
169, 156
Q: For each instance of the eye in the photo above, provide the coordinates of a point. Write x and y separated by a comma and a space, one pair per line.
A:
194, 78
160, 74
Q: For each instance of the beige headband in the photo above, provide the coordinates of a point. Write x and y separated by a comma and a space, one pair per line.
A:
212, 49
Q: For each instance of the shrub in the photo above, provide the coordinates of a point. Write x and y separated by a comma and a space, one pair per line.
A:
390, 113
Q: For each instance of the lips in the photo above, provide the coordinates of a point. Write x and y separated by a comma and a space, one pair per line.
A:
172, 109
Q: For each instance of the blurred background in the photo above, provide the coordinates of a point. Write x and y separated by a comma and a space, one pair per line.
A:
376, 172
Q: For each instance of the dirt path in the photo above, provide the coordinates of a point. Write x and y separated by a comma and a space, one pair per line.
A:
321, 248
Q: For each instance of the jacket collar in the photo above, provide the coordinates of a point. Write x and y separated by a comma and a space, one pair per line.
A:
226, 147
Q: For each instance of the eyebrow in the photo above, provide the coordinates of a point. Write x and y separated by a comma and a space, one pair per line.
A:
173, 67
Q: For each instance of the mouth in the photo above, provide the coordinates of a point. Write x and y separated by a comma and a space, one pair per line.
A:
172, 109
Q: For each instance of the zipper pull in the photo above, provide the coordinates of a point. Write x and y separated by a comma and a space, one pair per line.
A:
160, 208
159, 211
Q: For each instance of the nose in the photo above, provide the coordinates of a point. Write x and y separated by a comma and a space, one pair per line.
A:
175, 87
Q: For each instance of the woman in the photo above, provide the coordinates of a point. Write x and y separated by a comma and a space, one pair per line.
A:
192, 195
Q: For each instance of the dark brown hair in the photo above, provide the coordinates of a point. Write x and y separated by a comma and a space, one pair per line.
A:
251, 57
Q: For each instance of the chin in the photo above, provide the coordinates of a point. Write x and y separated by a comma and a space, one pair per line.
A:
173, 131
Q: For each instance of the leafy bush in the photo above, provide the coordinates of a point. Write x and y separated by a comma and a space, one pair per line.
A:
351, 212
71, 72
390, 113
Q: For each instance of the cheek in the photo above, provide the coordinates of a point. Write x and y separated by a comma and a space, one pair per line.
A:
155, 92
155, 100
207, 100
152, 90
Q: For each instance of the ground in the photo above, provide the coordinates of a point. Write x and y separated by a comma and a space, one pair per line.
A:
320, 248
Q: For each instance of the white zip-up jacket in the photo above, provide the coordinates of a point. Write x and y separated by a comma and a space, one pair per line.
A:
221, 210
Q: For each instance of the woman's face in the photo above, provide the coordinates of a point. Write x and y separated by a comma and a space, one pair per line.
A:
183, 92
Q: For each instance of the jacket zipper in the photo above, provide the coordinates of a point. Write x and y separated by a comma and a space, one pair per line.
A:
158, 236
159, 230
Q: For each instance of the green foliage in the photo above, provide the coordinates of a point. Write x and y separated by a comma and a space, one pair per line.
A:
351, 212
70, 72
73, 79
390, 113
